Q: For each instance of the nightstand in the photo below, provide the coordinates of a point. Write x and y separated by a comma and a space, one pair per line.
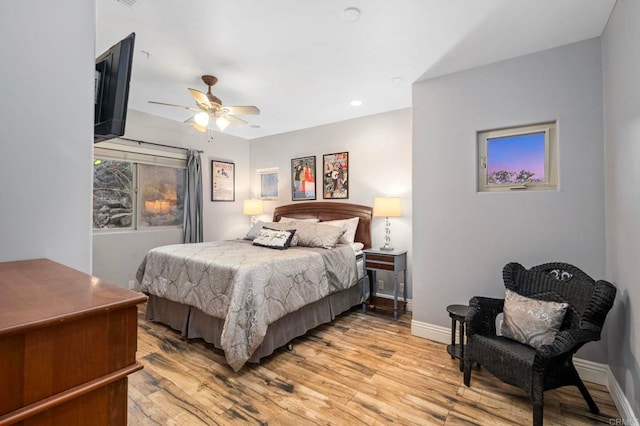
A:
394, 261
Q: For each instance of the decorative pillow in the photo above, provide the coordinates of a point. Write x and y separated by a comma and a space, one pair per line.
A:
286, 226
317, 234
284, 219
350, 225
531, 321
255, 229
273, 238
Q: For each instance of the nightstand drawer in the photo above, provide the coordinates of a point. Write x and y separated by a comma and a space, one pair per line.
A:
380, 257
376, 265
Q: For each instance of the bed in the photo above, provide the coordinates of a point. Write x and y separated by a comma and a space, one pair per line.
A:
178, 297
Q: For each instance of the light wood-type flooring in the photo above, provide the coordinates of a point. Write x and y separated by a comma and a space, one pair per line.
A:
362, 369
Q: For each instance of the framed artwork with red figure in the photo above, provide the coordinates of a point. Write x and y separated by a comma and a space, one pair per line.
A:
303, 178
335, 182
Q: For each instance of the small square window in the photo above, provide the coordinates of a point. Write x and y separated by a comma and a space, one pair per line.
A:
518, 158
268, 183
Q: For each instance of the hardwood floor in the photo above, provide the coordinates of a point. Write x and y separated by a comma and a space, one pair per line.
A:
362, 369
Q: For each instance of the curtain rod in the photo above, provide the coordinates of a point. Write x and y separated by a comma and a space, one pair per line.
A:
157, 144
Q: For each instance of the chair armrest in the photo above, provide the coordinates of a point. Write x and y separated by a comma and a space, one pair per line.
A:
481, 318
567, 341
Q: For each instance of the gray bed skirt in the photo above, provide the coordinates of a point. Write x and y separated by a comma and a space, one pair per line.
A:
193, 323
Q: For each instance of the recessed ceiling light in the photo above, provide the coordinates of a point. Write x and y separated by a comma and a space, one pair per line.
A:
397, 80
355, 103
351, 14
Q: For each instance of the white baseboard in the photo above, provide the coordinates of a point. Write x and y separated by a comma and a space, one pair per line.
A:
390, 296
589, 371
620, 400
432, 332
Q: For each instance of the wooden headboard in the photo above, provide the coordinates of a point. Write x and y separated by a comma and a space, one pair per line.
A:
331, 211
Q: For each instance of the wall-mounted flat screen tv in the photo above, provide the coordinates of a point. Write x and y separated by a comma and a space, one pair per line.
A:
113, 73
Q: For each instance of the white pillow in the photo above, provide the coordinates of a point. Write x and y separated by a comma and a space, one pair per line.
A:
255, 229
284, 219
350, 226
316, 234
357, 247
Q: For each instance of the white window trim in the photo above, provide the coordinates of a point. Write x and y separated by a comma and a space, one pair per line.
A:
550, 152
259, 173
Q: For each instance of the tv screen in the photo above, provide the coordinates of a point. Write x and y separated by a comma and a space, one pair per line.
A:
113, 73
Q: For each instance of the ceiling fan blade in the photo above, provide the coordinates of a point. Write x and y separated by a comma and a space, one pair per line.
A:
234, 121
242, 110
173, 105
201, 98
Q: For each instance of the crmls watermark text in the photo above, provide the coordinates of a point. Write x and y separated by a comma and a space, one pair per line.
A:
624, 422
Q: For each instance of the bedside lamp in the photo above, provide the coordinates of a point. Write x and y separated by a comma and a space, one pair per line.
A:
387, 207
252, 208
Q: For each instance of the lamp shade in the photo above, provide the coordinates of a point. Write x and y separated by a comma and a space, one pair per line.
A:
199, 128
252, 207
202, 118
387, 207
222, 123
200, 121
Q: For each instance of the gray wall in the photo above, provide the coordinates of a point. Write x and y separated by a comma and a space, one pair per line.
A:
461, 238
117, 255
379, 149
46, 130
621, 71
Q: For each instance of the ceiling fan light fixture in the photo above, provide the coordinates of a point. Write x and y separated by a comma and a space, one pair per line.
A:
202, 118
222, 123
199, 128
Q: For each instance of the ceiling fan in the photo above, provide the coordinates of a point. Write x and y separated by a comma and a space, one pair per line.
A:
210, 106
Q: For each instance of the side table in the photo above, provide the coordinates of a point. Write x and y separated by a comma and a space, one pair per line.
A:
458, 313
393, 261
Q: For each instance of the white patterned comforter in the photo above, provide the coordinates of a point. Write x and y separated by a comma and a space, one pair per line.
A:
248, 286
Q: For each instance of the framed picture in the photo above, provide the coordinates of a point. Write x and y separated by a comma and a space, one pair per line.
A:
303, 178
223, 180
268, 182
335, 184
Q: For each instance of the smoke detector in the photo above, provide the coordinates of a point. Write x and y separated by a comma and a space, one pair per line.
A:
351, 14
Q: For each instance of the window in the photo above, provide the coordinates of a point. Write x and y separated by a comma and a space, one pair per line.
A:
129, 193
268, 183
518, 158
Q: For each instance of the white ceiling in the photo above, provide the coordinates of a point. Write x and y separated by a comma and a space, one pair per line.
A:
301, 63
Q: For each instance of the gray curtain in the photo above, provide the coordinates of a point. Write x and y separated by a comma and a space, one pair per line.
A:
192, 225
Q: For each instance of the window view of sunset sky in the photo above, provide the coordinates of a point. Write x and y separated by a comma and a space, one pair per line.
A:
516, 153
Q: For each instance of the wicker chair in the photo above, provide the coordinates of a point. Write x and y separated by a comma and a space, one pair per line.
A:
550, 367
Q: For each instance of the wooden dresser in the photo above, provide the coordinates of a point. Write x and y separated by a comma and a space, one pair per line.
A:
67, 343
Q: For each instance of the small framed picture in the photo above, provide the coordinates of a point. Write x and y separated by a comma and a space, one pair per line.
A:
303, 178
223, 177
335, 181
